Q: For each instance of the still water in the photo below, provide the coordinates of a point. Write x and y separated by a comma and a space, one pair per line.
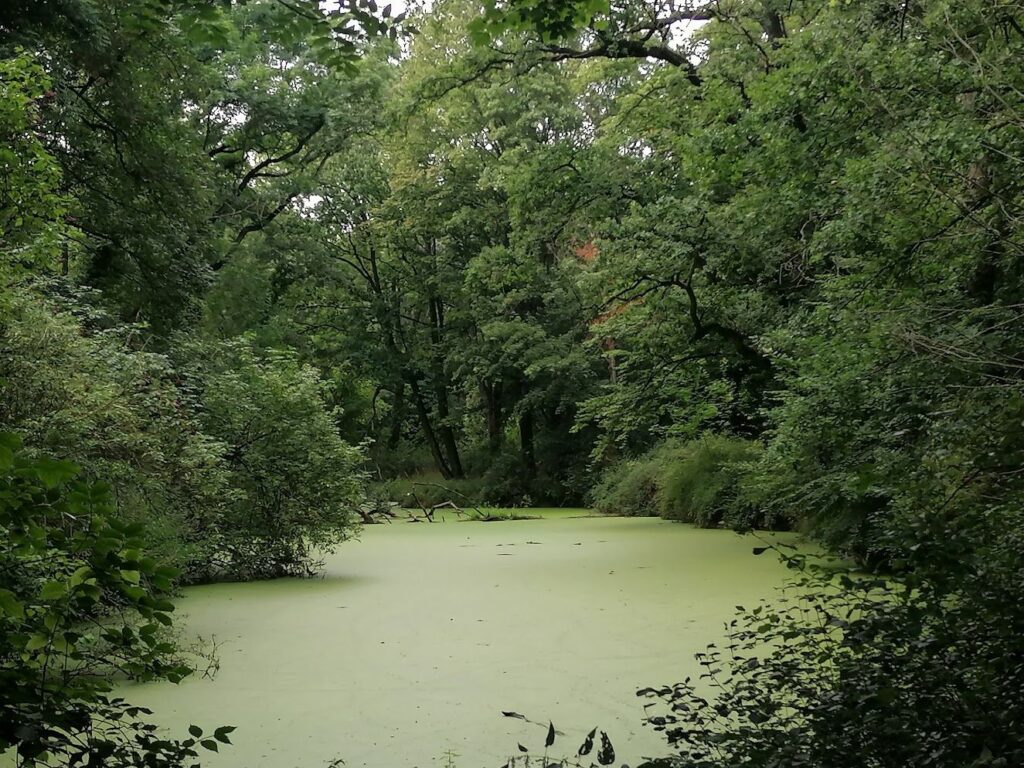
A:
417, 637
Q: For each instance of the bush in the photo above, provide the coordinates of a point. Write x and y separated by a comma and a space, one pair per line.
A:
851, 671
700, 482
231, 460
74, 384
629, 487
80, 601
509, 483
298, 482
704, 486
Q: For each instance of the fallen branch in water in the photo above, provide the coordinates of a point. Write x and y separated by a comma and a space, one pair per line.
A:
480, 514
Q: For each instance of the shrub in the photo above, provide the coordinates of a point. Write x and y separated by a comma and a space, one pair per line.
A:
628, 488
700, 481
79, 602
232, 460
73, 383
704, 485
299, 483
509, 483
851, 671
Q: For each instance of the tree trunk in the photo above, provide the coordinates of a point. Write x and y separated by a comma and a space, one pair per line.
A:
447, 434
428, 431
526, 443
397, 416
492, 403
436, 308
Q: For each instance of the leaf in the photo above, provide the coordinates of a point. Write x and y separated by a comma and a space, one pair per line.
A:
53, 472
607, 754
588, 744
195, 730
551, 735
37, 641
522, 748
210, 744
759, 550
515, 715
53, 590
81, 575
221, 734
10, 605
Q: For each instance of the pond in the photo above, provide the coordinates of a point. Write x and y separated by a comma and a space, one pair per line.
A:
418, 636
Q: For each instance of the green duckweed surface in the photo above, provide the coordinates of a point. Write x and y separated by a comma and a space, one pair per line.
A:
419, 635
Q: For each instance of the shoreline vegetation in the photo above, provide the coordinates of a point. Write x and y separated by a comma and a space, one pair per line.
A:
272, 271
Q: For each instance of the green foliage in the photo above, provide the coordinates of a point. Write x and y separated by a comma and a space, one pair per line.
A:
235, 469
608, 232
705, 484
298, 482
71, 383
174, 130
632, 486
434, 273
551, 19
700, 481
80, 601
850, 671
31, 205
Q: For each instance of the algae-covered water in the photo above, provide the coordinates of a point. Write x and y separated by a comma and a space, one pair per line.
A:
419, 635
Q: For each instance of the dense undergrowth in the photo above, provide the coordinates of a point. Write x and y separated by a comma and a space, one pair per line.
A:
81, 604
231, 461
704, 482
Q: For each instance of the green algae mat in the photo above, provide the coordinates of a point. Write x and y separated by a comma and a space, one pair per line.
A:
419, 636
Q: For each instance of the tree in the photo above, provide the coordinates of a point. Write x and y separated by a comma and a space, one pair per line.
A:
31, 207
165, 121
